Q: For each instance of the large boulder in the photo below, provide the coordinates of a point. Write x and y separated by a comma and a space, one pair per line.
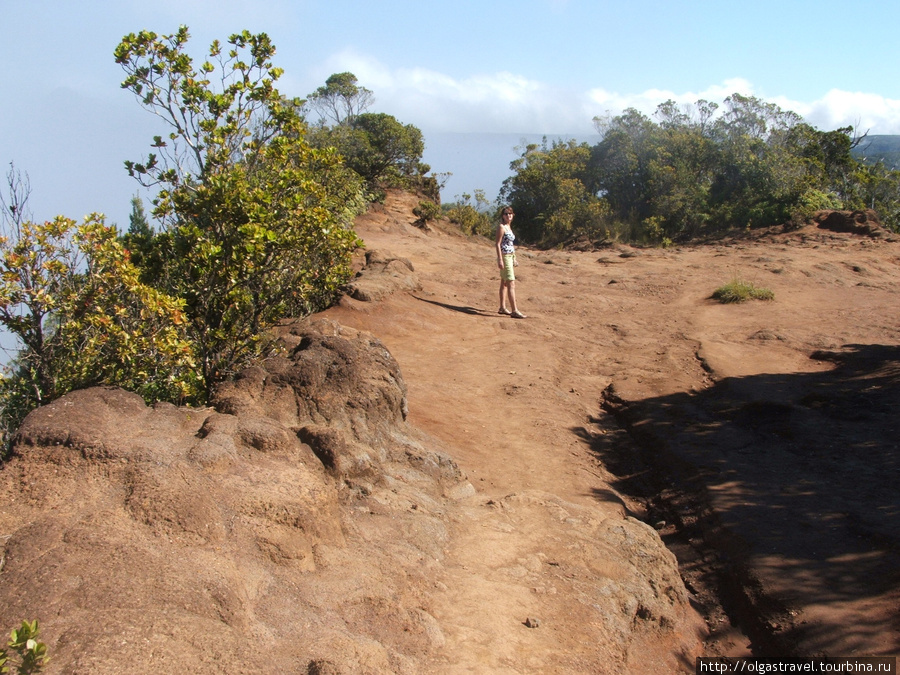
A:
223, 537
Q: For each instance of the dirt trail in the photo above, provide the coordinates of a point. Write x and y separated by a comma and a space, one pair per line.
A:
493, 495
520, 404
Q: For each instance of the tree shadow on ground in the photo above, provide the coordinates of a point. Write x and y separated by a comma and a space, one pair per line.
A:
791, 484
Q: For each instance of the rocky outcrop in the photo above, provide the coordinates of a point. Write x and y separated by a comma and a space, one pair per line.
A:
384, 274
864, 222
298, 524
301, 524
216, 537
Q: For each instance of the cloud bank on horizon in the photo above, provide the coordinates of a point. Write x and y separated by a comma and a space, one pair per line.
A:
506, 102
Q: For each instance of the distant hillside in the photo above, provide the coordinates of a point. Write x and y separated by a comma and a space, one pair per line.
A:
875, 149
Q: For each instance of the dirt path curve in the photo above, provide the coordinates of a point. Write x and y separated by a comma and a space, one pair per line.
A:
518, 403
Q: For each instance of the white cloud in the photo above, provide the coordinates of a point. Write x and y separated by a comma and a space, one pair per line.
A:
865, 112
507, 102
496, 102
647, 101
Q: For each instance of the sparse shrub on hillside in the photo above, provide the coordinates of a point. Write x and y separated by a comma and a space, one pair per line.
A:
427, 210
471, 218
738, 290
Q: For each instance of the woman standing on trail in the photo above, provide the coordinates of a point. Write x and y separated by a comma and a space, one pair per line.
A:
506, 260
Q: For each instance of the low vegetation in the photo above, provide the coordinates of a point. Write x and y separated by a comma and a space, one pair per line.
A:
738, 290
30, 653
474, 218
427, 210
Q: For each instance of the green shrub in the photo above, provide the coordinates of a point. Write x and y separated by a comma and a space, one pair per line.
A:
258, 222
24, 642
73, 301
471, 218
737, 290
812, 201
427, 210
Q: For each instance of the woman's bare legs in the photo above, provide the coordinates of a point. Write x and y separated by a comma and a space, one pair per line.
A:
510, 292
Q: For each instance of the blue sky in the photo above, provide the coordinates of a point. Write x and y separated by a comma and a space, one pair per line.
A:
485, 66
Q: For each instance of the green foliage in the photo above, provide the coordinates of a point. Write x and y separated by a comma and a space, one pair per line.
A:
139, 240
258, 221
257, 227
738, 290
427, 210
383, 151
812, 201
471, 218
32, 654
138, 225
379, 148
693, 171
550, 193
81, 317
874, 186
620, 165
340, 99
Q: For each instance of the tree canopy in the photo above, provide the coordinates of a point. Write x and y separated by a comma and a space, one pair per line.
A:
259, 221
378, 147
692, 171
340, 99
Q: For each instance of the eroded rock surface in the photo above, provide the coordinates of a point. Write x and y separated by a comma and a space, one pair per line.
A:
299, 524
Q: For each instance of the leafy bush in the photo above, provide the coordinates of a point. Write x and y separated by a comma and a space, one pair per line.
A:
31, 652
812, 201
377, 146
81, 317
427, 210
258, 221
471, 218
552, 193
737, 290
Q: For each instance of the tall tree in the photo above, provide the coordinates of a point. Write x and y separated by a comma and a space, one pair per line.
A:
376, 145
340, 99
621, 163
550, 192
260, 221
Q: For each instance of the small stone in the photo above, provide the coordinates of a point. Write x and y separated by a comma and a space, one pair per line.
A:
531, 622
